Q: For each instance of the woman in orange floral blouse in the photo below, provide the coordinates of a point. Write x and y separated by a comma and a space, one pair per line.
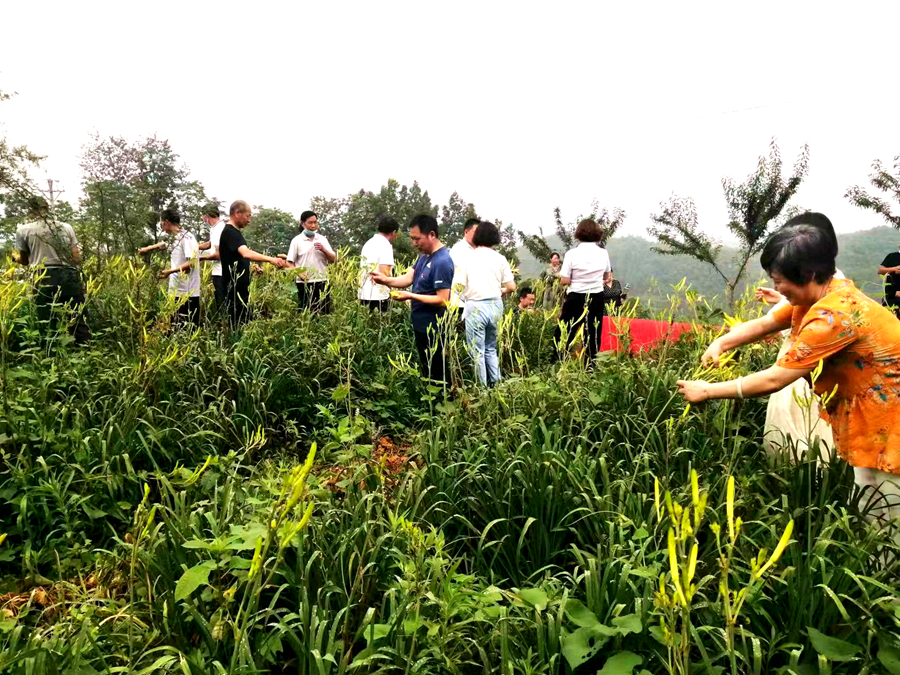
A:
856, 339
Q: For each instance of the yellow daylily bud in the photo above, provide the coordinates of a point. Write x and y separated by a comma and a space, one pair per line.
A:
692, 564
729, 507
656, 496
2, 538
776, 554
695, 487
673, 564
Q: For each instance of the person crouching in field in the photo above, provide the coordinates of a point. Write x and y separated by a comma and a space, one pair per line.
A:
857, 342
183, 273
430, 278
377, 256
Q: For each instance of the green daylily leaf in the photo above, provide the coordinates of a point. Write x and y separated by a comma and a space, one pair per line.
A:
582, 645
889, 657
622, 663
832, 648
535, 597
580, 615
629, 623
192, 579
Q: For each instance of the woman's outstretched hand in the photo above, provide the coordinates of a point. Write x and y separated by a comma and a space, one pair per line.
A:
712, 354
694, 391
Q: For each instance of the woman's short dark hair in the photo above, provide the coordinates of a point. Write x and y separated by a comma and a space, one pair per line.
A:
819, 220
588, 230
306, 215
487, 234
525, 291
386, 225
425, 222
801, 254
555, 253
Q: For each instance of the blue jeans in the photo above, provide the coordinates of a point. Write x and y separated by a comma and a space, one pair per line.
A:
482, 319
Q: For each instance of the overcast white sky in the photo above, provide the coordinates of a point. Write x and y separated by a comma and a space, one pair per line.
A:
519, 107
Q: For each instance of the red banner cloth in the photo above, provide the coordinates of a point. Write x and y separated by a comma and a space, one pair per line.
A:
644, 332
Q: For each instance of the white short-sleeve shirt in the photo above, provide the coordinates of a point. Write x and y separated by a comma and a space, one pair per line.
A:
303, 254
483, 275
377, 251
215, 235
184, 248
459, 252
585, 265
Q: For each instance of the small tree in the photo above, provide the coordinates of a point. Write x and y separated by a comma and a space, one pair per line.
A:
882, 180
755, 209
539, 247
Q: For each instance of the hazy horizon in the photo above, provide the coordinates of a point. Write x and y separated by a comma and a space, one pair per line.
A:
517, 109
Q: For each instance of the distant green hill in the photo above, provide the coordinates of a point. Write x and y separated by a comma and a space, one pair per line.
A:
651, 274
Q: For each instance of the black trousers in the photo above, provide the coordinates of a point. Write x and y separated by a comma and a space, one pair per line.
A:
314, 296
583, 310
219, 289
430, 347
188, 312
237, 306
380, 305
61, 287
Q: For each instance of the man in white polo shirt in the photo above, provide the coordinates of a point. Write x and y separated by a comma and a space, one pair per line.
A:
216, 225
184, 272
311, 253
377, 257
459, 252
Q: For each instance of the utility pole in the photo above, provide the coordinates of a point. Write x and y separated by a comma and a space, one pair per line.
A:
50, 182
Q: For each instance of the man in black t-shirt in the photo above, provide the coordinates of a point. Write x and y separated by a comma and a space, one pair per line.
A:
236, 256
891, 268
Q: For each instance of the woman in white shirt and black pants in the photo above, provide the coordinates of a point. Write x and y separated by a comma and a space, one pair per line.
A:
485, 279
584, 272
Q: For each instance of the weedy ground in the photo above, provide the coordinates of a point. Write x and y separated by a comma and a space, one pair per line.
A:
295, 499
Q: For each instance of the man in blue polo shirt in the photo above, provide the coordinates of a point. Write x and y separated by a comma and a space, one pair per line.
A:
431, 279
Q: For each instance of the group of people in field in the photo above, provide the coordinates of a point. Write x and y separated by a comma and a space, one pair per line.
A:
836, 338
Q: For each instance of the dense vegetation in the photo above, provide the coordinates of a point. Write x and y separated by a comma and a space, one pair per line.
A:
163, 509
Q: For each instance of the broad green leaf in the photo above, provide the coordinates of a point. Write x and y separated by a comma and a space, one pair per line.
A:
833, 648
622, 663
197, 543
657, 634
648, 572
376, 631
582, 645
889, 657
192, 579
640, 533
535, 597
629, 623
580, 615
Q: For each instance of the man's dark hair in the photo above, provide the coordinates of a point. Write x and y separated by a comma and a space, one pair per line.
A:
801, 254
426, 223
171, 216
386, 225
525, 290
588, 230
37, 205
555, 253
470, 223
306, 215
211, 210
487, 234
819, 220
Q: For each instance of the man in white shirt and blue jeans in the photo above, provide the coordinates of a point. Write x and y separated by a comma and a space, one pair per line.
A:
378, 257
311, 253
